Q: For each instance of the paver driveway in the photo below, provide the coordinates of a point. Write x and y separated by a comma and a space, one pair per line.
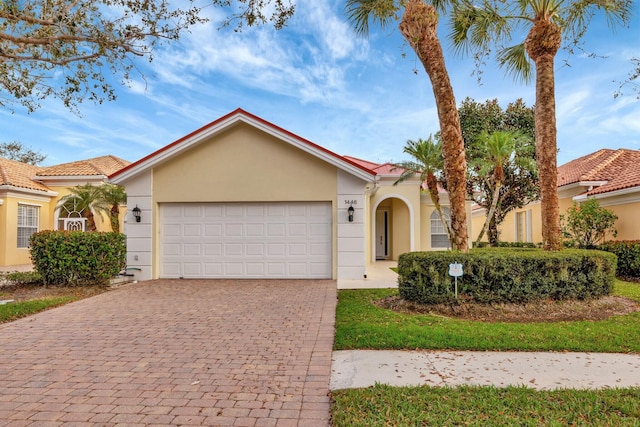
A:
174, 352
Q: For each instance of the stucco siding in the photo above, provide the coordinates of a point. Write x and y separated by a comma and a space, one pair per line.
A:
350, 236
244, 164
10, 254
141, 236
628, 222
403, 204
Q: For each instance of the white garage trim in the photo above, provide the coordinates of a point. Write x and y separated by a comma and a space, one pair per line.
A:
246, 240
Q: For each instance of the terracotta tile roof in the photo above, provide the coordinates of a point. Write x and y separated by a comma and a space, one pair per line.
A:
386, 169
18, 174
380, 168
105, 165
618, 169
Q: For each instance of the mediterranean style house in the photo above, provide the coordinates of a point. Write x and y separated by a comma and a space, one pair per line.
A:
29, 196
244, 198
610, 176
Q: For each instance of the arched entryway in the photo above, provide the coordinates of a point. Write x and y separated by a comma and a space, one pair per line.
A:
392, 229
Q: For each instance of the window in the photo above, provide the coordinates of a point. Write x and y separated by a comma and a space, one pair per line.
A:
71, 219
523, 226
27, 223
439, 237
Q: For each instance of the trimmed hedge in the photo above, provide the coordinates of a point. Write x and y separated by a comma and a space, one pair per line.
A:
628, 253
508, 245
22, 278
76, 257
496, 275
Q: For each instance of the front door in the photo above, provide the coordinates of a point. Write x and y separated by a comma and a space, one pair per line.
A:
382, 234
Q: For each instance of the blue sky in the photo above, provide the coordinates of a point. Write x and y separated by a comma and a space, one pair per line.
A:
354, 96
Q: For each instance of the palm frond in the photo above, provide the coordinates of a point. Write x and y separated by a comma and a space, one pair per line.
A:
361, 12
579, 14
516, 62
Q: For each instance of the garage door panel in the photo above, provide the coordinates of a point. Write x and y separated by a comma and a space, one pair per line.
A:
233, 250
212, 249
298, 229
171, 269
233, 230
212, 230
317, 249
276, 230
276, 249
298, 269
255, 230
172, 230
192, 269
255, 249
213, 211
192, 230
172, 249
297, 249
235, 240
233, 210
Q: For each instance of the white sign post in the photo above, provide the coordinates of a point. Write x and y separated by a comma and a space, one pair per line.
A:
455, 271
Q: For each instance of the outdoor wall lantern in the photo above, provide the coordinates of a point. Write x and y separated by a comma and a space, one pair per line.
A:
350, 211
136, 213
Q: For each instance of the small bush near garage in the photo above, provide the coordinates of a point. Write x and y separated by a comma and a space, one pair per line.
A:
628, 253
21, 278
77, 258
499, 275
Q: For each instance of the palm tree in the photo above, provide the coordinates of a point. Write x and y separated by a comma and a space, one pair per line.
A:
113, 196
427, 163
418, 26
500, 152
548, 22
84, 199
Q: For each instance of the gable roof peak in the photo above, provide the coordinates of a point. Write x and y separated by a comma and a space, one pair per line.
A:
225, 122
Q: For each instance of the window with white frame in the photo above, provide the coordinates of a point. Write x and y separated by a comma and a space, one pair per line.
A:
439, 236
70, 217
523, 226
27, 223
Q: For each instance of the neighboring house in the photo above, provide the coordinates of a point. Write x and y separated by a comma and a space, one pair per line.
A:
610, 176
29, 196
243, 198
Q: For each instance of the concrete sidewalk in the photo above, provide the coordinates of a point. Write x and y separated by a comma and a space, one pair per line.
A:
538, 370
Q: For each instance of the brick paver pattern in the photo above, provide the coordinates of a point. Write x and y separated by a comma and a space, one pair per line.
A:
174, 352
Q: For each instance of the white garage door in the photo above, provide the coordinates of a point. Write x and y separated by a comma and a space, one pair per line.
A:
245, 240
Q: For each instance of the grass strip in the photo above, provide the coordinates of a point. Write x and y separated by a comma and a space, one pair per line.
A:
16, 310
383, 405
362, 325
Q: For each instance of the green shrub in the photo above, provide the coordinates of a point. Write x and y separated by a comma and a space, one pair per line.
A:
21, 278
506, 275
628, 253
76, 257
507, 245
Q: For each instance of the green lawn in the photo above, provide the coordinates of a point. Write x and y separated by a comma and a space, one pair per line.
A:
16, 310
361, 325
484, 406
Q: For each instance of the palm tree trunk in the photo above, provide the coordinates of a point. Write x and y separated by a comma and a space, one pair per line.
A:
542, 44
432, 187
91, 221
492, 233
114, 216
492, 211
419, 27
